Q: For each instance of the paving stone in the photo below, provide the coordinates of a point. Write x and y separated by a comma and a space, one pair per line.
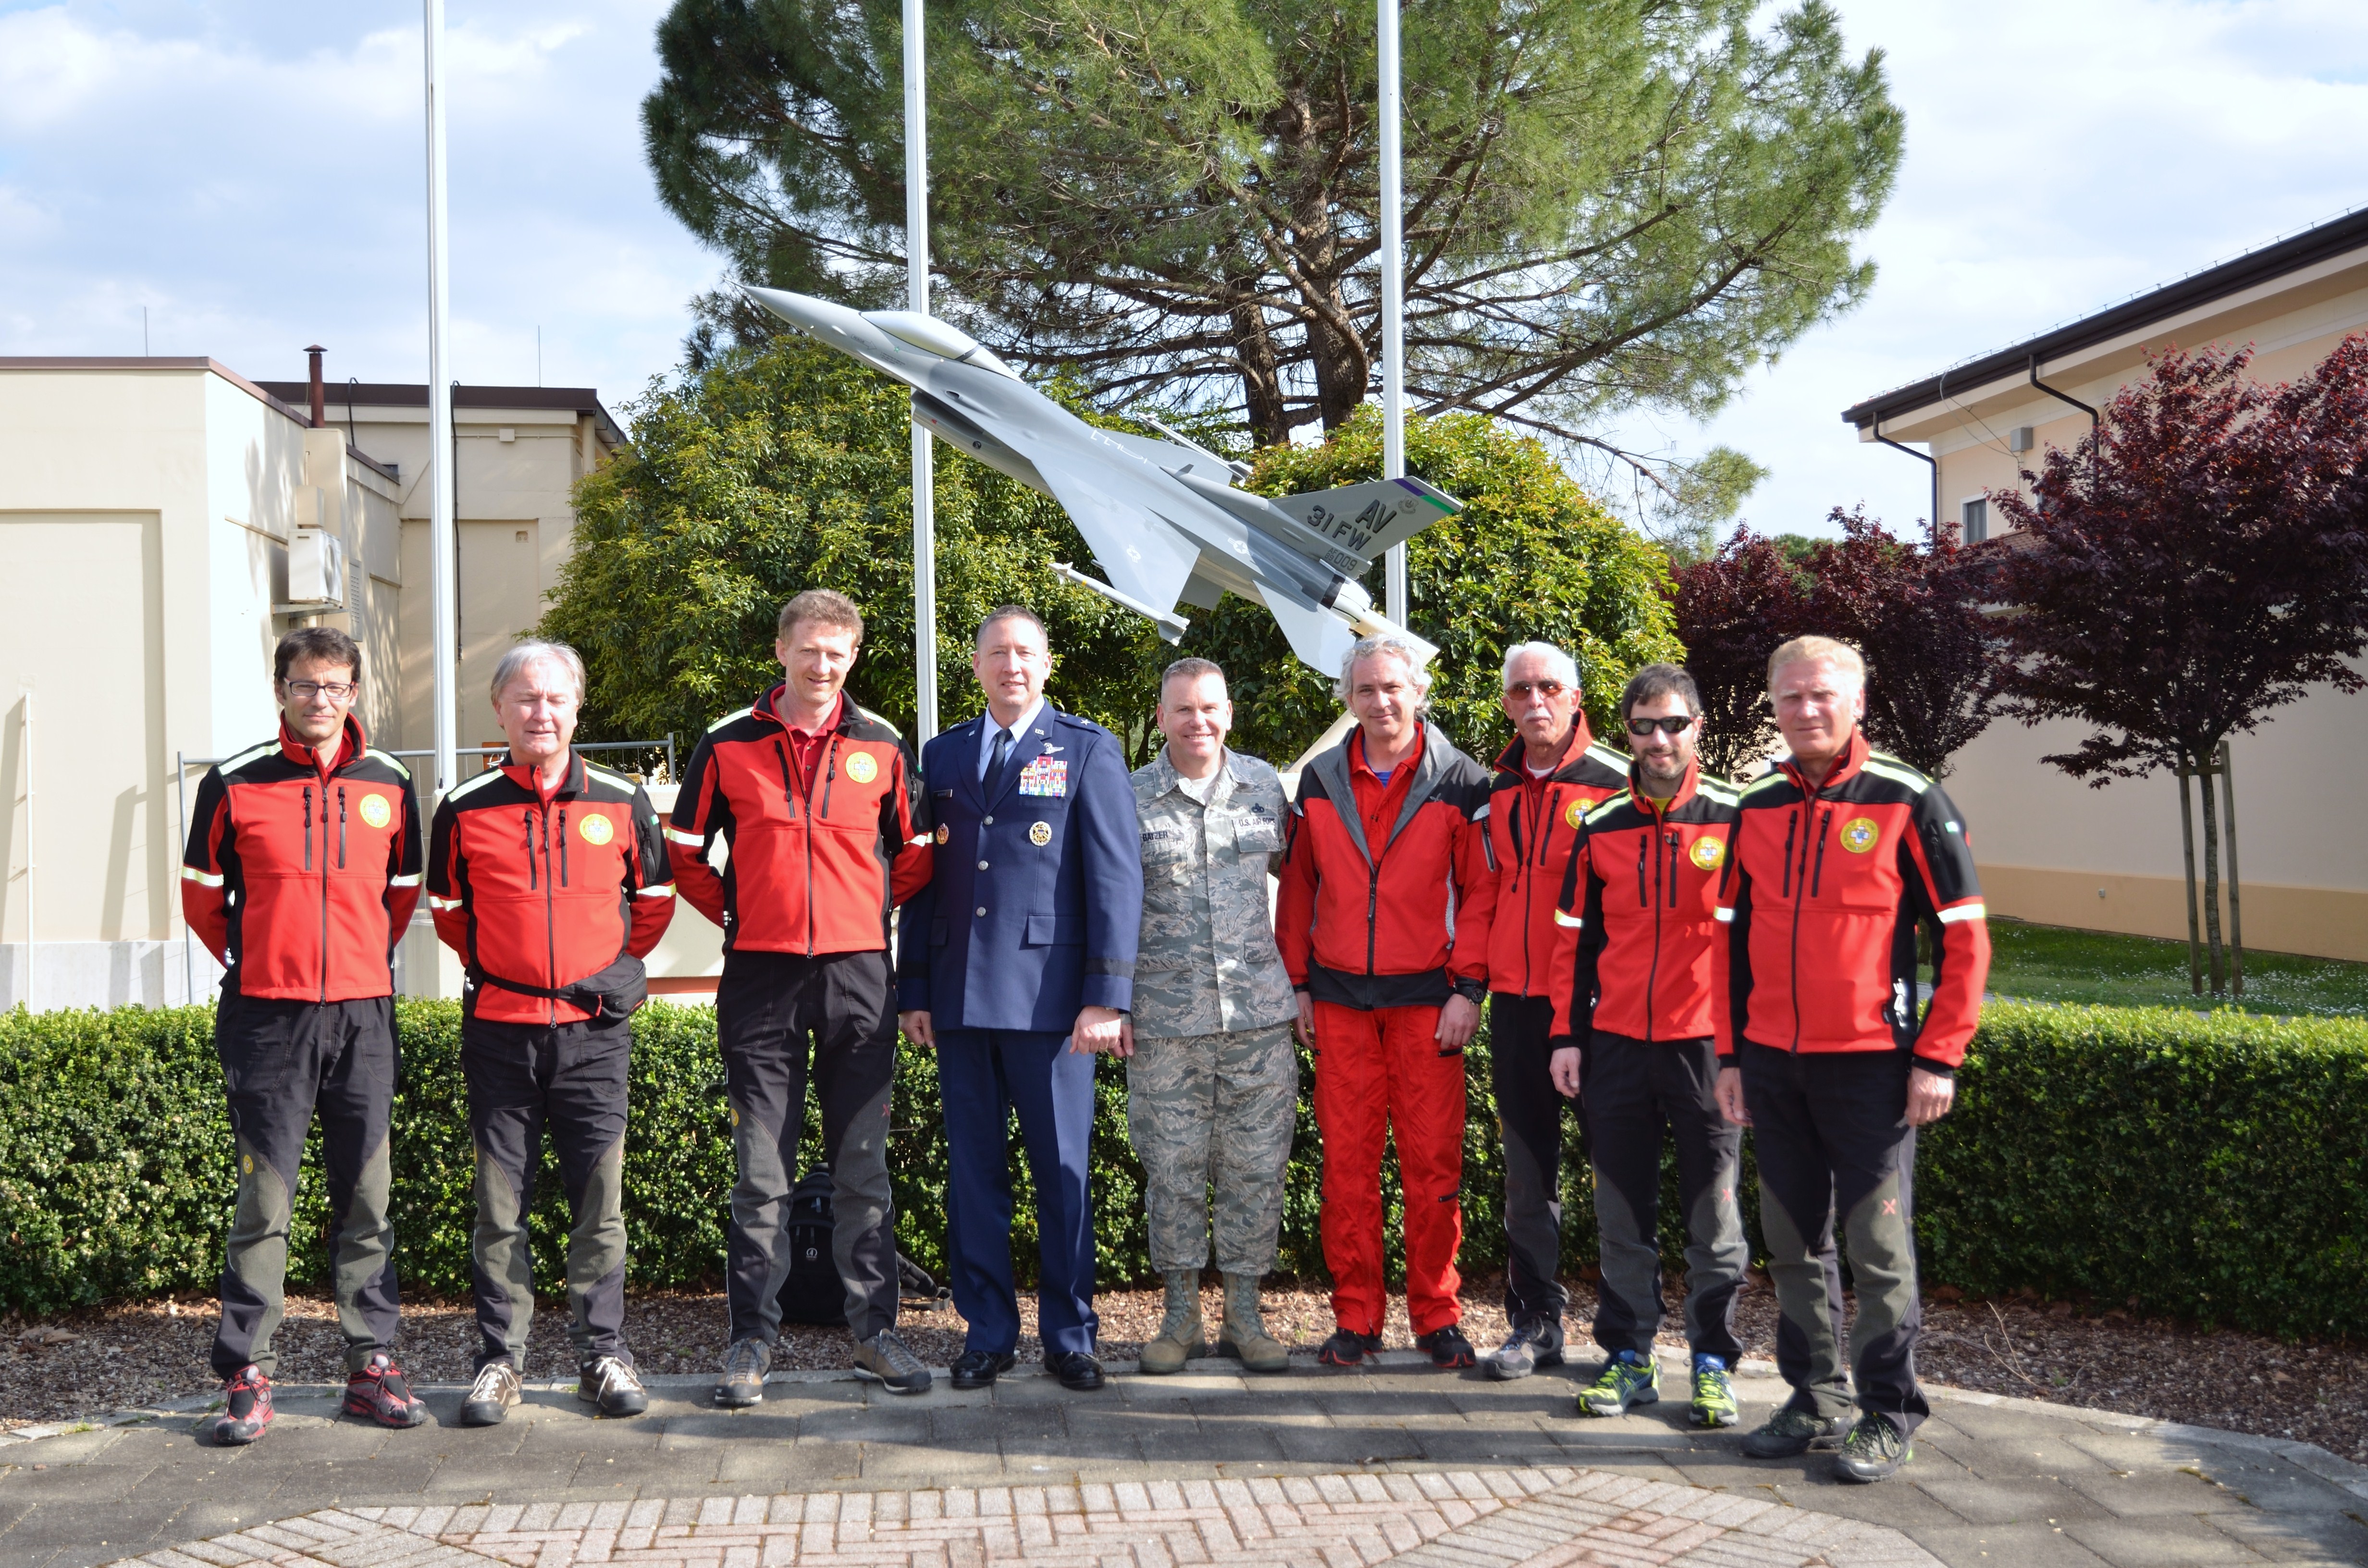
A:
2025, 1500
2145, 1493
2158, 1541
2007, 1546
2290, 1536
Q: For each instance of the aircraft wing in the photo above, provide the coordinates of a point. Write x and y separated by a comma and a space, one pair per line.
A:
1144, 555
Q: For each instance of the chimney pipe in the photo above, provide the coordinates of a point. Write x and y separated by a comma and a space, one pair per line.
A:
320, 397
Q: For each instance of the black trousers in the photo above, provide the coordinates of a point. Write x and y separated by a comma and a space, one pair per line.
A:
1632, 1089
523, 1078
283, 1063
780, 1018
1530, 1119
1830, 1132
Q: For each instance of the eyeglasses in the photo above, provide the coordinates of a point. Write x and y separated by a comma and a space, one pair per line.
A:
1543, 687
335, 690
1676, 724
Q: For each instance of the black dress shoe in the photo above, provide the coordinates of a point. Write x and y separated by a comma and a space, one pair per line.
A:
1077, 1369
979, 1368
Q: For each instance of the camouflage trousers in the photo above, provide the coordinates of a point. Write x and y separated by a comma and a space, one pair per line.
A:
1214, 1111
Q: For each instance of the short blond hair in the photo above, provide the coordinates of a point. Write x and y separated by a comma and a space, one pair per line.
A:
1811, 650
826, 605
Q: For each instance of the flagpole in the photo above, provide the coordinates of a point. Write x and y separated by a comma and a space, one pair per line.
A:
443, 547
1392, 259
916, 283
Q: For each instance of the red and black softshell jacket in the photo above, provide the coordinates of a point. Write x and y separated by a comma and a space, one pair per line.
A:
815, 858
1823, 892
1532, 824
1400, 924
303, 868
1638, 915
546, 892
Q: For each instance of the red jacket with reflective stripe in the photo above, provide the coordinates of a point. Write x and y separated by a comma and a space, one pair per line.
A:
1531, 826
1638, 915
303, 870
815, 859
546, 892
1403, 923
1824, 890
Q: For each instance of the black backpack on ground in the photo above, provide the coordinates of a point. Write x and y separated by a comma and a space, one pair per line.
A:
812, 1293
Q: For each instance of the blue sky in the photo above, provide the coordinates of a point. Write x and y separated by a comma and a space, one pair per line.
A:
250, 171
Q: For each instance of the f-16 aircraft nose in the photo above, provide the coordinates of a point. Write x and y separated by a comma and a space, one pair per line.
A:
800, 311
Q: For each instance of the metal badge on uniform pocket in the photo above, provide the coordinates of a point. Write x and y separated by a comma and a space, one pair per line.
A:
1040, 835
944, 833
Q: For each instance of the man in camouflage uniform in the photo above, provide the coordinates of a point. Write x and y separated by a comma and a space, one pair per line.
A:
1213, 1078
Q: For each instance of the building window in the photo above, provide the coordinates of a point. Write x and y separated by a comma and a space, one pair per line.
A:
1975, 516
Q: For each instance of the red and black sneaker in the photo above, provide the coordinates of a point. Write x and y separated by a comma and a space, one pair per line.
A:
247, 1407
1346, 1348
1445, 1346
379, 1391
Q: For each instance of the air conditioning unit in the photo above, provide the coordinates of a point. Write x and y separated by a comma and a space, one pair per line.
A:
2019, 439
317, 569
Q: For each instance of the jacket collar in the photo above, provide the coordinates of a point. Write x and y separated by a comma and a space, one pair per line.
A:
770, 706
1164, 777
1510, 761
571, 783
1334, 767
349, 748
1846, 766
1685, 788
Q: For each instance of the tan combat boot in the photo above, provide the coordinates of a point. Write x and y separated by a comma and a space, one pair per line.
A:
1180, 1332
1245, 1336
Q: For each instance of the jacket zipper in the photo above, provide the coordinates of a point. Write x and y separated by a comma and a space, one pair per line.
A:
325, 876
1673, 868
1643, 851
550, 917
1653, 970
308, 827
562, 846
341, 827
788, 790
532, 882
1791, 826
1818, 879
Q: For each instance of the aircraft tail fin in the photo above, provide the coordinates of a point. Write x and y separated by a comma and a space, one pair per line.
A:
1366, 519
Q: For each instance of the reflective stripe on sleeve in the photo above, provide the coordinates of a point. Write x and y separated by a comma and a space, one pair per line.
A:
435, 903
663, 890
1725, 916
1964, 912
687, 840
1573, 921
410, 881
191, 874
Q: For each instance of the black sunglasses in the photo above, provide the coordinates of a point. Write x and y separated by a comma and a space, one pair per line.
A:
1674, 726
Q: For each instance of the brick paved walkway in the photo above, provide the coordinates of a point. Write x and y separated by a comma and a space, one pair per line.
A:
1538, 1518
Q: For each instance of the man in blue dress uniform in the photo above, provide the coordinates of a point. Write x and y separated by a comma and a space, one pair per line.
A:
1017, 963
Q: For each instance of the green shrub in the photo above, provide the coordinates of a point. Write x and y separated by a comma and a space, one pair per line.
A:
2211, 1167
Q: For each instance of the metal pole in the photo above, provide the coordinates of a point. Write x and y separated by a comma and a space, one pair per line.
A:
2187, 845
444, 617
1394, 594
2236, 918
32, 846
916, 285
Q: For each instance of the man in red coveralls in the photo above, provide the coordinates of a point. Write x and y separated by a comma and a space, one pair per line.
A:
1836, 860
1383, 919
301, 872
549, 877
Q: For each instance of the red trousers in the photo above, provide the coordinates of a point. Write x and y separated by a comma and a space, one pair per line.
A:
1377, 1074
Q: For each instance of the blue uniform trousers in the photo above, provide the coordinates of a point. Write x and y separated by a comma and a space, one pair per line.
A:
983, 1075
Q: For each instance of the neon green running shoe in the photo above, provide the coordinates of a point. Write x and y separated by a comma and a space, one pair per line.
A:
1714, 1402
1627, 1378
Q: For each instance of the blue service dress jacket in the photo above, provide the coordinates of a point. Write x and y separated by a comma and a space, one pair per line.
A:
1036, 903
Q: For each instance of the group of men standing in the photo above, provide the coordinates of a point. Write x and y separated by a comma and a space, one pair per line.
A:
1664, 953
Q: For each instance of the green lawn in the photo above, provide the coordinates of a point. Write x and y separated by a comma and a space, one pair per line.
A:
2053, 963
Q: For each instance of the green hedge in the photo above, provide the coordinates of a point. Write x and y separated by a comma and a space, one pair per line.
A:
2212, 1167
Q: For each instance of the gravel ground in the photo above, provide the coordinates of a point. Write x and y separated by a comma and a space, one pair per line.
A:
128, 1355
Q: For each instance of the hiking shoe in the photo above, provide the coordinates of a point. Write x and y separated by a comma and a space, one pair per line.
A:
1627, 1378
1789, 1432
380, 1392
247, 1407
1346, 1348
1534, 1343
490, 1396
1873, 1451
745, 1366
1446, 1348
1714, 1400
611, 1383
886, 1357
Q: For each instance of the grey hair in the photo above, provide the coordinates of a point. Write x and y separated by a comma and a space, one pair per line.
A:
1373, 648
535, 651
1559, 664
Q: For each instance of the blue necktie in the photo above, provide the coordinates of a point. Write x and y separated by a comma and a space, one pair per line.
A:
995, 762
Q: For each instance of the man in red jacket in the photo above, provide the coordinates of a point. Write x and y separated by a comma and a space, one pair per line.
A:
1633, 1041
1545, 782
301, 872
1836, 860
549, 877
813, 798
1382, 919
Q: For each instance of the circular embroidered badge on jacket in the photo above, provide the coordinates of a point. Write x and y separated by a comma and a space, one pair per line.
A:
861, 768
376, 810
1858, 835
1707, 853
1573, 811
1040, 835
596, 829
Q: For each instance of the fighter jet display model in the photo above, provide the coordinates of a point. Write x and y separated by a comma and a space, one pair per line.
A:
1165, 520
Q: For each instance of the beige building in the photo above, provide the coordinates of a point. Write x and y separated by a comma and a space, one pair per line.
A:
162, 522
2053, 849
